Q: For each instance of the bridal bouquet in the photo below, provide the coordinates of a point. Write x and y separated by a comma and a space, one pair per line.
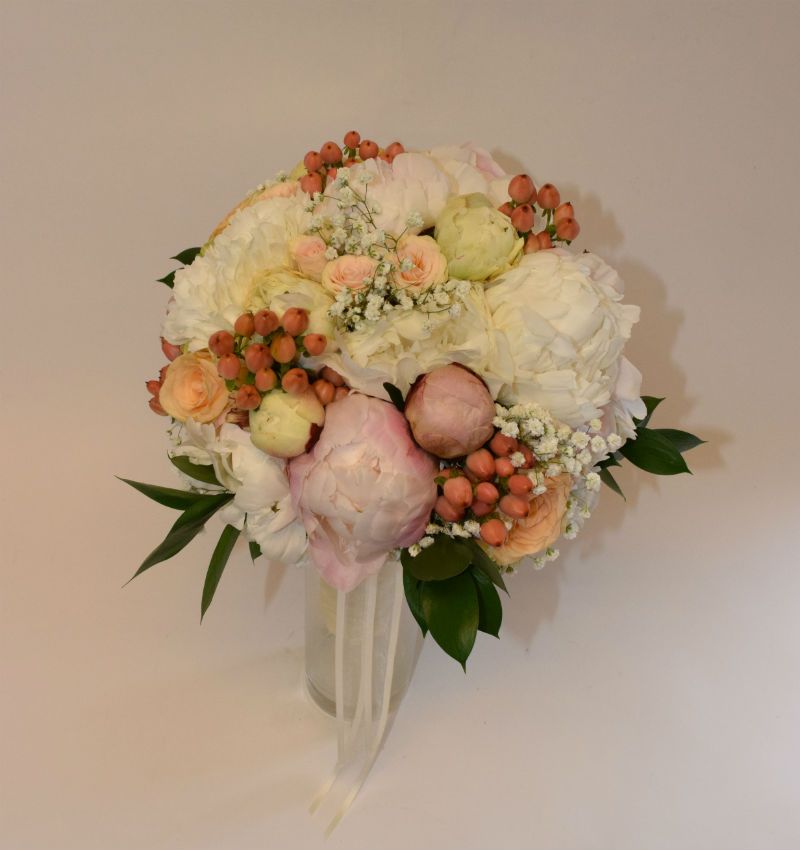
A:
389, 352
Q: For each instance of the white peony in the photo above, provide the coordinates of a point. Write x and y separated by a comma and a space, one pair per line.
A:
413, 183
409, 343
214, 290
559, 323
261, 503
626, 403
472, 169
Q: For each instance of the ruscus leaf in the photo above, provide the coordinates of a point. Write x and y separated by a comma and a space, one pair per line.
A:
443, 559
186, 257
219, 558
481, 561
608, 479
654, 453
451, 611
200, 472
489, 606
167, 496
682, 440
651, 403
168, 279
412, 586
255, 550
395, 395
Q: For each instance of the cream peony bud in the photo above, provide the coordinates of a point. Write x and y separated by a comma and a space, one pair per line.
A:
450, 411
478, 240
286, 425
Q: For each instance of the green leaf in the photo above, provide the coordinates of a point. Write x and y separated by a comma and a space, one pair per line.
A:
608, 479
481, 561
682, 440
219, 558
255, 550
412, 587
451, 611
395, 395
186, 257
654, 453
443, 559
490, 608
184, 530
167, 496
200, 472
611, 460
168, 279
651, 403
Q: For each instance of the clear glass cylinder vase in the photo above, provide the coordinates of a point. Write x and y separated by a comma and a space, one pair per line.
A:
357, 624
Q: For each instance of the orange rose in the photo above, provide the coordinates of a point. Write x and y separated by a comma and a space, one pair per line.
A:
541, 528
192, 389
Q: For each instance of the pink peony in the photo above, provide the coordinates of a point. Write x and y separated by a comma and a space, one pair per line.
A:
450, 411
363, 490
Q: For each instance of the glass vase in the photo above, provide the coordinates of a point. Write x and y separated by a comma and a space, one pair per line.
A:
367, 643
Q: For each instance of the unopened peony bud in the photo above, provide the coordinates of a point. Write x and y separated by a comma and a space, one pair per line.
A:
266, 380
520, 485
487, 492
521, 189
325, 391
245, 325
312, 161
295, 381
229, 366
522, 218
549, 197
311, 183
481, 463
450, 411
368, 149
502, 445
257, 356
247, 397
266, 322
331, 153
315, 344
458, 491
333, 376
286, 425
170, 351
567, 229
515, 506
447, 511
295, 321
394, 149
221, 343
352, 139
283, 348
481, 509
493, 532
563, 211
504, 467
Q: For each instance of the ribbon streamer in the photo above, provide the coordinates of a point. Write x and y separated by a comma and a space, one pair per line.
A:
358, 746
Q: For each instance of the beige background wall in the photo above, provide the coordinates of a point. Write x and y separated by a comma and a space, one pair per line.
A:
645, 692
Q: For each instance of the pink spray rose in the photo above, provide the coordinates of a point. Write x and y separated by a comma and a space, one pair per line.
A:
363, 490
450, 411
308, 252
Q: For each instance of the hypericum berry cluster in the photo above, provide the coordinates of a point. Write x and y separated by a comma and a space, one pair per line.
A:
323, 165
495, 486
560, 224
